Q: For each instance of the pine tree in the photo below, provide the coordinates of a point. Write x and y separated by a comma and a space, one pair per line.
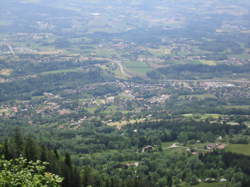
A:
67, 160
31, 151
44, 154
6, 151
19, 143
56, 154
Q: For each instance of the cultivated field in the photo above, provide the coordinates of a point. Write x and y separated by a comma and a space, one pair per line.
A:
239, 148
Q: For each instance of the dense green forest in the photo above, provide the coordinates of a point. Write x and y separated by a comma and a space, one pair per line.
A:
130, 161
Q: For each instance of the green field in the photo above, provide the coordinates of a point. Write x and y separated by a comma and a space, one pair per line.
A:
239, 148
204, 96
110, 110
105, 52
161, 51
199, 96
91, 109
202, 116
214, 184
138, 68
208, 62
210, 185
61, 71
243, 107
165, 145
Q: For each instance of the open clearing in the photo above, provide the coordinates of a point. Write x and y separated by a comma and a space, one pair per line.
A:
208, 62
138, 68
199, 96
120, 124
62, 71
105, 52
202, 116
52, 52
215, 184
237, 106
162, 51
239, 148
4, 111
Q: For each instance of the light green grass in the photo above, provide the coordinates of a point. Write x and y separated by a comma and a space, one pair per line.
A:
120, 124
91, 109
198, 146
239, 148
199, 96
202, 116
162, 51
176, 150
37, 97
209, 62
110, 110
61, 71
138, 68
165, 145
105, 52
215, 184
237, 106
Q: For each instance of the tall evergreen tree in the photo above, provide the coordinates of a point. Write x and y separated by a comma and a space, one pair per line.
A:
31, 149
67, 160
6, 151
19, 142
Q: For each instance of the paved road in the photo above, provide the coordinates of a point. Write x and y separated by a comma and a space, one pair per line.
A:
122, 70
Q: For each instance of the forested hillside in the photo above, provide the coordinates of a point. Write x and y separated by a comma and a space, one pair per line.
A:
132, 162
125, 93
